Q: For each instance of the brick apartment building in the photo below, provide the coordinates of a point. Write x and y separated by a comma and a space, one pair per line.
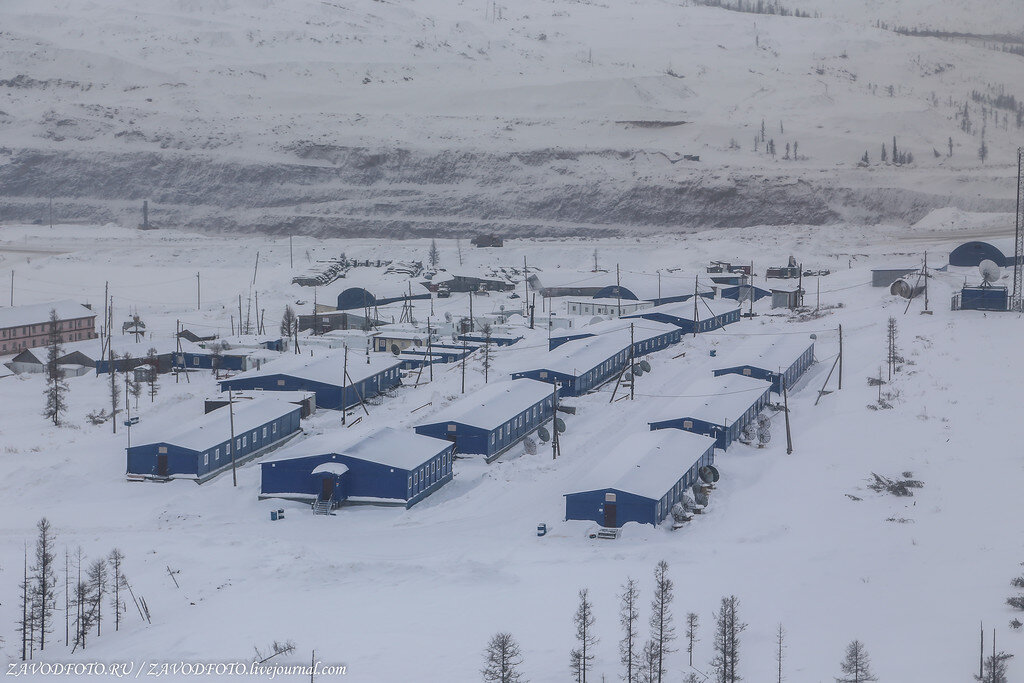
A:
25, 327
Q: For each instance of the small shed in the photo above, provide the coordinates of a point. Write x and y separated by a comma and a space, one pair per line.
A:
368, 376
388, 467
744, 292
641, 478
710, 315
491, 420
208, 359
787, 297
715, 406
884, 277
774, 360
202, 449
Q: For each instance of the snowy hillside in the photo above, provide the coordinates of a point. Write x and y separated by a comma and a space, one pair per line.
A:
413, 595
540, 117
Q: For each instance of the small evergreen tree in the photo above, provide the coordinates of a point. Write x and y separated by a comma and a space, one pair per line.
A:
583, 656
56, 387
994, 668
885, 157
856, 666
628, 617
288, 321
502, 659
97, 578
692, 623
44, 581
116, 561
663, 632
434, 256
728, 628
151, 376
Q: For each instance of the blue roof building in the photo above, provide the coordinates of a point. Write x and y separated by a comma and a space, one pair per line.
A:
769, 359
719, 407
710, 315
581, 366
491, 420
647, 336
641, 479
387, 467
324, 377
383, 294
202, 449
971, 254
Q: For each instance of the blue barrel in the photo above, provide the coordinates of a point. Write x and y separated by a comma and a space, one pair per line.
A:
714, 352
273, 515
542, 529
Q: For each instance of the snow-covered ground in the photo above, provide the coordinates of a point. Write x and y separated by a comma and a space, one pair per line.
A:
538, 117
402, 595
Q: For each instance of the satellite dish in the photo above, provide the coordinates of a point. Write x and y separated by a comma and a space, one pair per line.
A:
715, 474
447, 317
543, 434
637, 369
559, 425
698, 495
530, 445
764, 422
705, 475
501, 308
990, 272
645, 365
749, 433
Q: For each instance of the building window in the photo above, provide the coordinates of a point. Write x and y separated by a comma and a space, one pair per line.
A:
216, 454
273, 428
264, 432
206, 459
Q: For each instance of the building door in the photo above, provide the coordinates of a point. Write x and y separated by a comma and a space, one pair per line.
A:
609, 511
609, 515
327, 488
161, 464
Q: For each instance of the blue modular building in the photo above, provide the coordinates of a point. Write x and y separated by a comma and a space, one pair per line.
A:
192, 360
647, 336
769, 359
645, 287
719, 407
982, 298
202, 449
496, 339
324, 376
710, 315
581, 366
387, 467
489, 421
641, 478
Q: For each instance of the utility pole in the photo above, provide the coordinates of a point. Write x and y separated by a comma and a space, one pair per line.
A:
344, 377
198, 299
231, 413
464, 352
51, 213
127, 410
618, 292
926, 282
752, 292
291, 258
430, 354
12, 288
785, 408
800, 287
659, 286
817, 304
533, 309
472, 328
526, 286
632, 359
840, 357
696, 311
555, 450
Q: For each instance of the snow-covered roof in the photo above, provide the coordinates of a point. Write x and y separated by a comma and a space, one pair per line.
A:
214, 427
607, 301
494, 404
335, 468
123, 344
642, 330
769, 353
718, 400
577, 356
327, 369
684, 309
402, 448
645, 285
34, 314
648, 463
